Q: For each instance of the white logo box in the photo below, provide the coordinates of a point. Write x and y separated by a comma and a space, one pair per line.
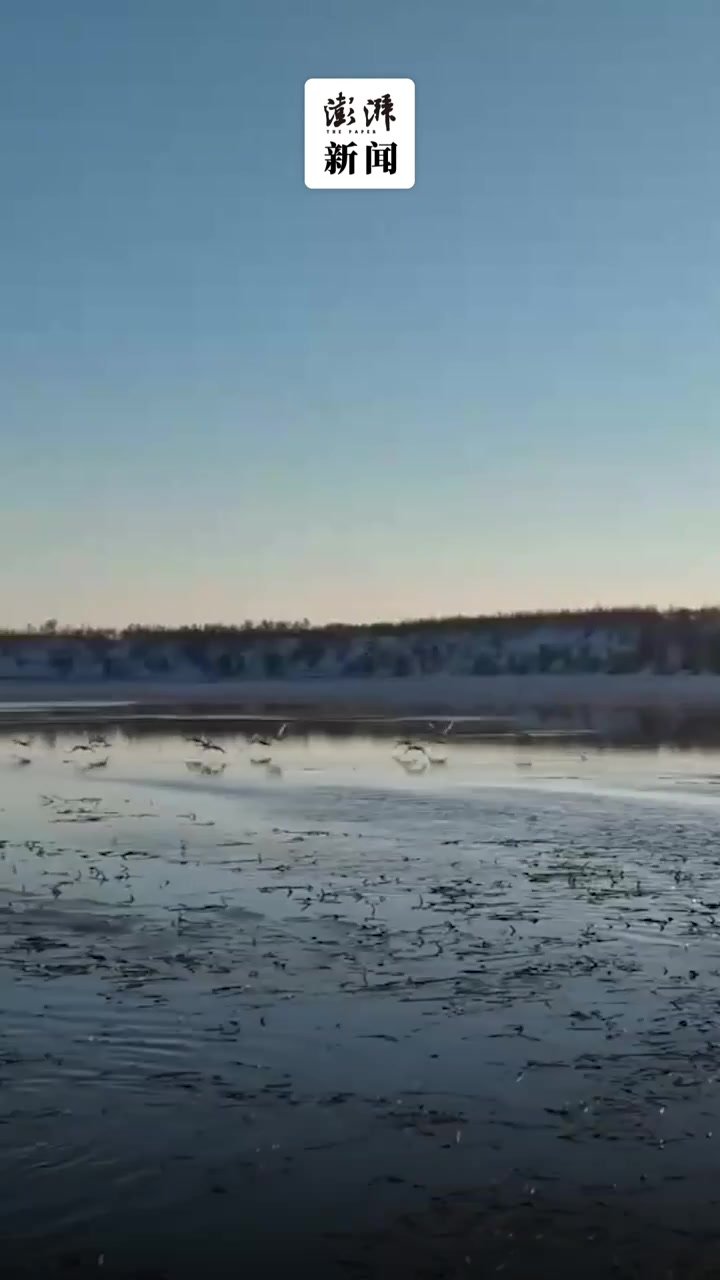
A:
359, 134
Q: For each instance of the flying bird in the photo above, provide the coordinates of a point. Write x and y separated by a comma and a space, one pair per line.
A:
206, 743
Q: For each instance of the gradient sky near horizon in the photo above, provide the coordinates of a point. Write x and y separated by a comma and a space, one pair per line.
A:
225, 396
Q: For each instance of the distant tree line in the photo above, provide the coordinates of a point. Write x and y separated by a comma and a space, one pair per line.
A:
675, 620
618, 641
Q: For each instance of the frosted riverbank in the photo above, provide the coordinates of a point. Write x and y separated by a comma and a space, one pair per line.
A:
432, 695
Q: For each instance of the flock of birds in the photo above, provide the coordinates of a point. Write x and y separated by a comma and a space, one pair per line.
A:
94, 741
411, 755
260, 755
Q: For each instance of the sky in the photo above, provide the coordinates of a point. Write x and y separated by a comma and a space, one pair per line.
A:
226, 396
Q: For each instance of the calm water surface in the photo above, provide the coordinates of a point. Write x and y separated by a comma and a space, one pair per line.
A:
328, 1009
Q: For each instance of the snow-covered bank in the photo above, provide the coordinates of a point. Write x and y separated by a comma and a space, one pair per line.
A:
525, 666
434, 695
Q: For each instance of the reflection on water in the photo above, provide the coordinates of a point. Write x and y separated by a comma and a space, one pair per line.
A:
685, 725
452, 1017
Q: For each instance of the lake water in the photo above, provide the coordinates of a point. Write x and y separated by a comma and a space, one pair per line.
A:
347, 1009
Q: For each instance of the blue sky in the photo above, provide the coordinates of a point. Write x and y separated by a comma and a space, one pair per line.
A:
226, 396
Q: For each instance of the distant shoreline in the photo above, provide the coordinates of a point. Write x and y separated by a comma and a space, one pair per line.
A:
424, 695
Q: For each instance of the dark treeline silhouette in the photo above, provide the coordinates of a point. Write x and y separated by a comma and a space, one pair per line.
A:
675, 620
